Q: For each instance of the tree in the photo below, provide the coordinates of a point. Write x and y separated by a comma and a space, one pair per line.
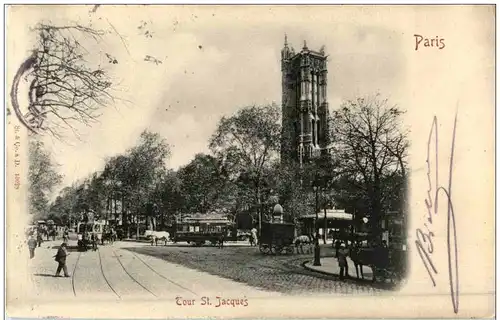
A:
64, 88
205, 185
251, 140
137, 173
169, 194
42, 177
372, 150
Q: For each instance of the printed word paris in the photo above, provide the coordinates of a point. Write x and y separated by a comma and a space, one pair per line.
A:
421, 41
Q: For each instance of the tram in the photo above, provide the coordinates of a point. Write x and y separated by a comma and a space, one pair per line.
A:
200, 228
85, 229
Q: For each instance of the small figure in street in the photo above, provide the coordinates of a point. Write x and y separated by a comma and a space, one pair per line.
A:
342, 259
94, 241
337, 247
32, 246
39, 238
60, 258
99, 237
253, 237
113, 235
119, 234
221, 240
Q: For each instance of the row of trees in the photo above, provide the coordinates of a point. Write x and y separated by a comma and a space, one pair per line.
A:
243, 173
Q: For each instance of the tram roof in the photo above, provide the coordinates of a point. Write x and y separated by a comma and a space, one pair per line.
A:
334, 214
204, 216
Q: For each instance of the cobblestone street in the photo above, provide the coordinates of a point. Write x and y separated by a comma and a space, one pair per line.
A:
282, 273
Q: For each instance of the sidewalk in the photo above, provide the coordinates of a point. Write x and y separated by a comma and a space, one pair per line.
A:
330, 266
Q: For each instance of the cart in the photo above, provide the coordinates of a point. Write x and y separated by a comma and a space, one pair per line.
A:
276, 238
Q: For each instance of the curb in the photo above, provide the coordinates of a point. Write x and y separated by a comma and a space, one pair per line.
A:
304, 264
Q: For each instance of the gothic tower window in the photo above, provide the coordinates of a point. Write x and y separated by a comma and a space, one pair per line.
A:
313, 129
318, 127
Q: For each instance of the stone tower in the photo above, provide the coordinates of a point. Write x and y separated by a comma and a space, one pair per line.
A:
304, 104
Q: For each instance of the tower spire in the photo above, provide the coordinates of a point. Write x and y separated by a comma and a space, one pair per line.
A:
305, 45
286, 40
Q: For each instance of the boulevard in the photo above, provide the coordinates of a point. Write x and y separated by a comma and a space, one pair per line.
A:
131, 270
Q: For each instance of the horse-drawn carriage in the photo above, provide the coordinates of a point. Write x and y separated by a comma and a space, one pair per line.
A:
277, 238
386, 264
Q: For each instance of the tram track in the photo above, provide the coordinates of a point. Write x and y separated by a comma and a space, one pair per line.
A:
131, 276
74, 272
162, 276
104, 276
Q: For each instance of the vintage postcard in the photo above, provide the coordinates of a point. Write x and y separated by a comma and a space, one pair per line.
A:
250, 161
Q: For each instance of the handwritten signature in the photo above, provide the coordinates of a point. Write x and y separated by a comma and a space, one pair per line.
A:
434, 193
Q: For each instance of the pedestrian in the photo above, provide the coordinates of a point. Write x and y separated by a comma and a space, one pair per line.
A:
39, 238
342, 260
60, 258
337, 247
254, 236
221, 240
32, 246
94, 241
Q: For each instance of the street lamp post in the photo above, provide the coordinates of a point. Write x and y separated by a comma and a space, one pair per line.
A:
317, 261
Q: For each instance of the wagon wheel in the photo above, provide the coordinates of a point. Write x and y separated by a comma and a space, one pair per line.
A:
281, 249
290, 250
264, 248
274, 249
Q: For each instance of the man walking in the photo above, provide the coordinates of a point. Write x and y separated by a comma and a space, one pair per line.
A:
39, 238
60, 257
32, 246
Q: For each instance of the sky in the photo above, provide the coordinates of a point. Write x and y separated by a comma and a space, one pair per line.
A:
214, 61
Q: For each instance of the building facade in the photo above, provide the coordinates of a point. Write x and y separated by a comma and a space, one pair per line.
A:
305, 113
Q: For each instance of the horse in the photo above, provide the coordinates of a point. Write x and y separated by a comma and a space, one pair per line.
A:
359, 258
302, 240
159, 236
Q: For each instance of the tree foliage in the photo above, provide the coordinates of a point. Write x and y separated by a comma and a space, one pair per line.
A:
42, 177
372, 152
249, 140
